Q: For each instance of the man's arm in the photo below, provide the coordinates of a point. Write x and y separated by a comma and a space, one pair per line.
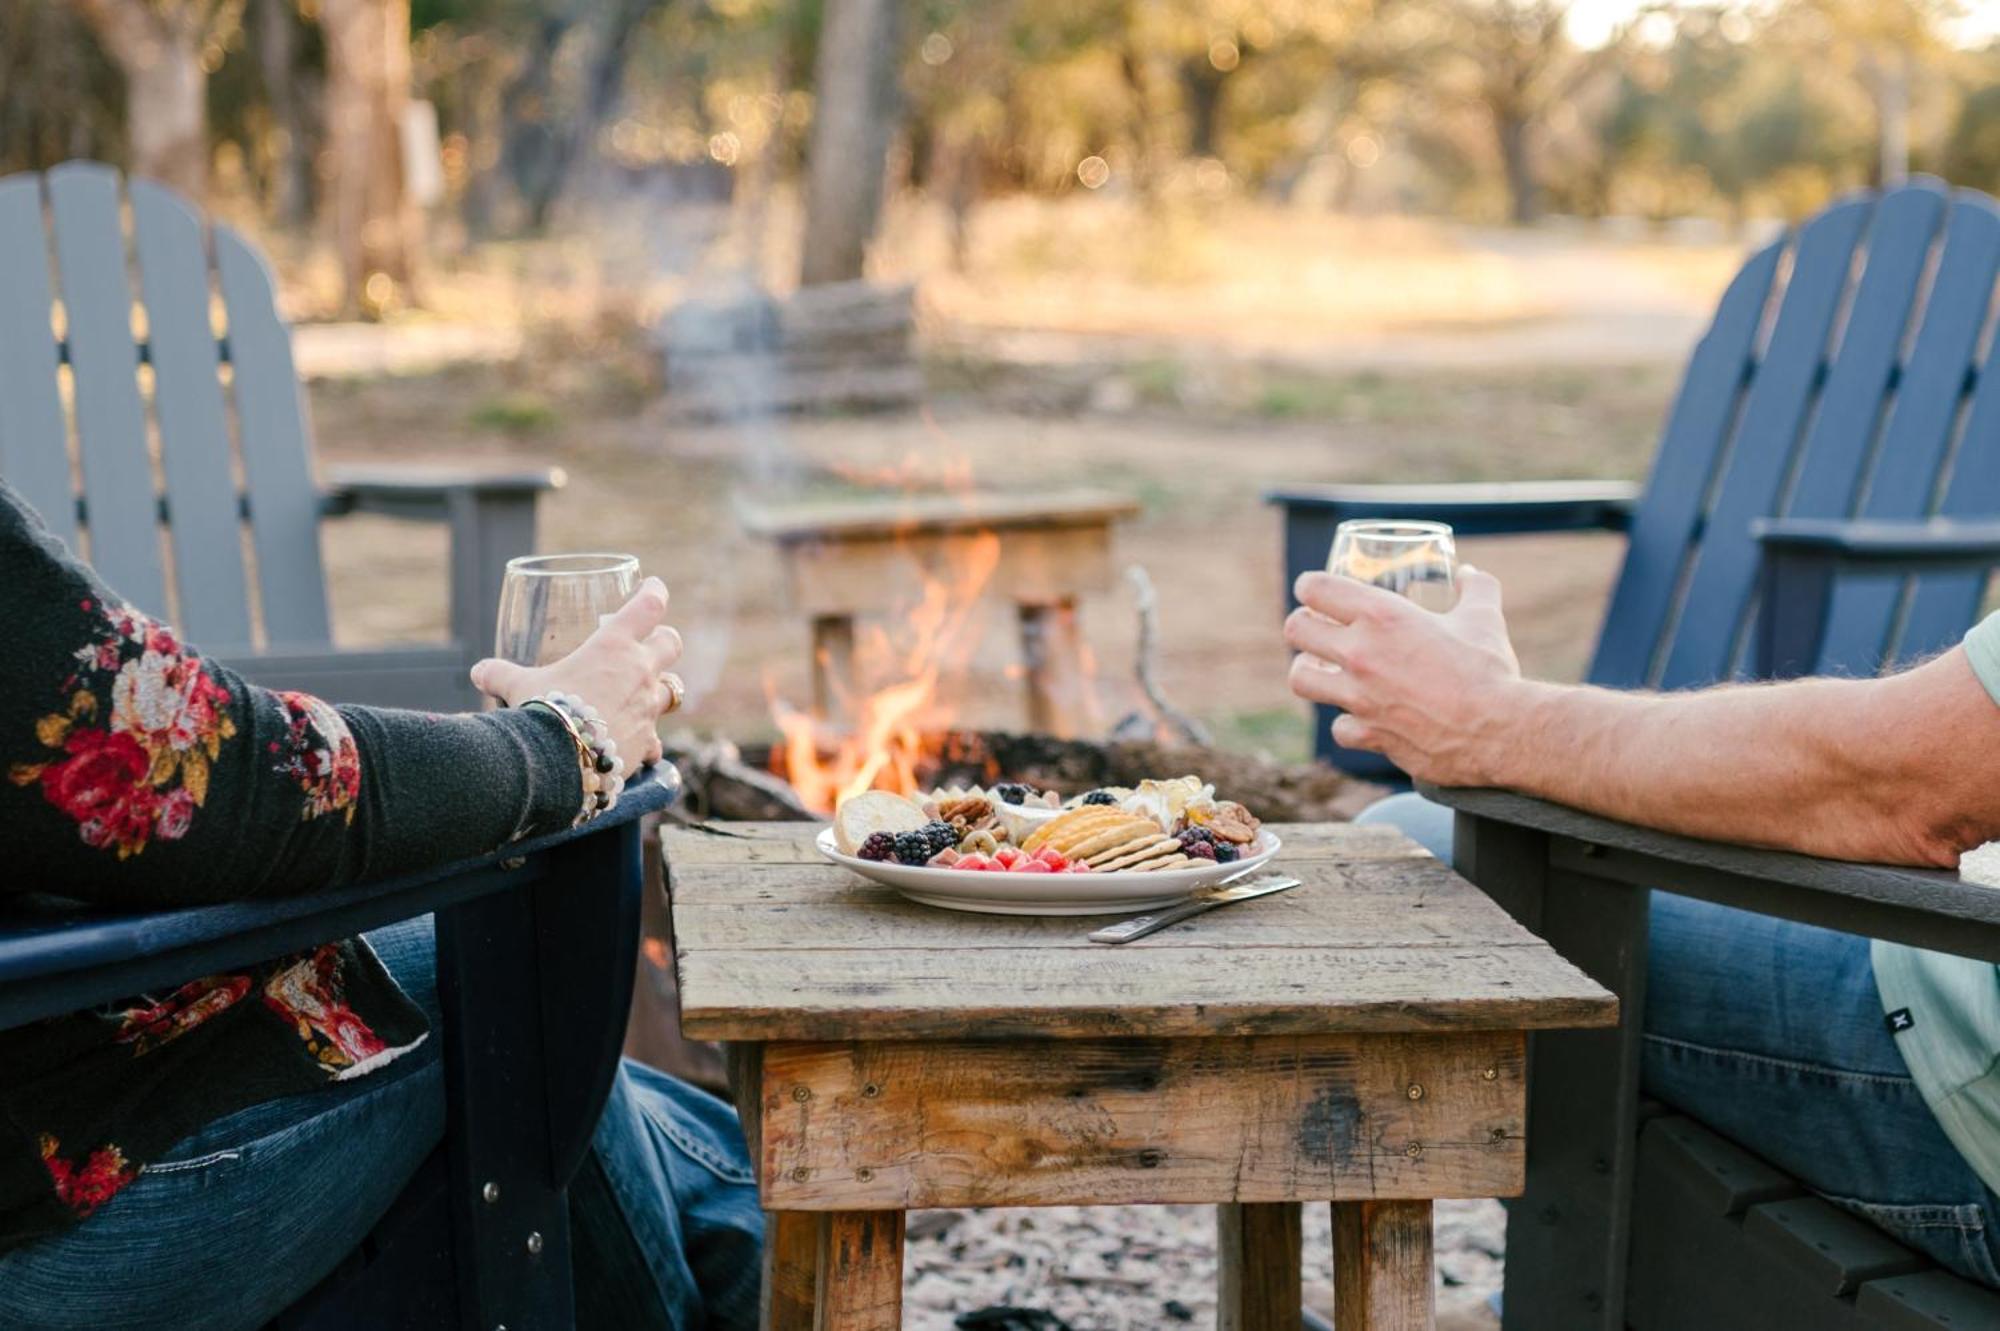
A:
1903, 769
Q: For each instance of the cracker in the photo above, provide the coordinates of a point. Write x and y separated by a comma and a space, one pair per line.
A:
1066, 824
1157, 847
1101, 840
1132, 842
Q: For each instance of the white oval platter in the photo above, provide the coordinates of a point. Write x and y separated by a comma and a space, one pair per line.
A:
1047, 893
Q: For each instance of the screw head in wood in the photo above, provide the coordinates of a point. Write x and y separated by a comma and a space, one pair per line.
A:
863, 1174
801, 1174
1416, 1091
1497, 1136
1150, 1158
870, 1091
1414, 1150
1491, 1074
802, 1093
491, 1192
535, 1244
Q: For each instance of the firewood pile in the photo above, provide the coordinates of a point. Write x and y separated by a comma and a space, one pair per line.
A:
836, 346
739, 783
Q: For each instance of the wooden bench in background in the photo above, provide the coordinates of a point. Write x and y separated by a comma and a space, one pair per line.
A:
846, 559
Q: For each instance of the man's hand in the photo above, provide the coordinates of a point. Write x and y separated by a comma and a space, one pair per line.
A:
1439, 694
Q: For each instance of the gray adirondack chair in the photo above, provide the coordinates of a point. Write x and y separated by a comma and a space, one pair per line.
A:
161, 401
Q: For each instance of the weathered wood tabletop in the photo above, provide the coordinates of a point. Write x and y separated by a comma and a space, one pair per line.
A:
1358, 1040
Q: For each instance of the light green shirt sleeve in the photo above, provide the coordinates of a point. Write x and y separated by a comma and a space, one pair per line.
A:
1982, 648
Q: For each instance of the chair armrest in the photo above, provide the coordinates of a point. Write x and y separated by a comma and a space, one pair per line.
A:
56, 957
426, 493
492, 517
1803, 557
1929, 908
1936, 545
1498, 509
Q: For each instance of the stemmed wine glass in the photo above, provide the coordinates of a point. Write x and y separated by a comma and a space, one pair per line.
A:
550, 603
1413, 559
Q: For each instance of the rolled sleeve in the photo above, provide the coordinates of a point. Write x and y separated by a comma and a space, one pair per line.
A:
1982, 648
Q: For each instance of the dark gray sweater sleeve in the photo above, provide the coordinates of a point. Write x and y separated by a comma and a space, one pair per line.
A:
134, 770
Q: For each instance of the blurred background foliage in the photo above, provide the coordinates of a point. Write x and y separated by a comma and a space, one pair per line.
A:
1481, 110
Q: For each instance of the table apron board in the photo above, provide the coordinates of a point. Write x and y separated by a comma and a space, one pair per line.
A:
859, 1126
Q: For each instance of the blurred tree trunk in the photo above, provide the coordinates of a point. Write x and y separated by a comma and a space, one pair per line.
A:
544, 142
375, 225
277, 60
158, 45
1890, 74
1524, 197
853, 116
1201, 93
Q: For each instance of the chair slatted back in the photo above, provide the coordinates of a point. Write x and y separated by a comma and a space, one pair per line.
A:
1841, 377
146, 424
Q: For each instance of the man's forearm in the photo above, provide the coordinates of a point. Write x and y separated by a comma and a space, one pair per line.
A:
1850, 769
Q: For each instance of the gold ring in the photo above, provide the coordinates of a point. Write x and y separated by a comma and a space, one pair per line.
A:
676, 691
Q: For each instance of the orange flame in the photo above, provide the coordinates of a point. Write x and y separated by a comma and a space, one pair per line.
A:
894, 696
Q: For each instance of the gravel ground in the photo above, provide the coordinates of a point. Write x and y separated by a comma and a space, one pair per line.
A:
1104, 1268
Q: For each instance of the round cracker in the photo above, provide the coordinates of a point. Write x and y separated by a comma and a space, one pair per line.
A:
1100, 840
1064, 824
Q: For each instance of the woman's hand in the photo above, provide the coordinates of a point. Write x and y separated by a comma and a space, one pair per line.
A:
618, 670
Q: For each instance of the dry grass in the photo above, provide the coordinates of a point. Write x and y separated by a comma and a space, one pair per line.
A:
1193, 358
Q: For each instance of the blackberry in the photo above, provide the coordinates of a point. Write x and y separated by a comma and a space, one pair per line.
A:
1011, 792
1226, 853
879, 846
1193, 834
1201, 850
939, 835
1100, 797
913, 848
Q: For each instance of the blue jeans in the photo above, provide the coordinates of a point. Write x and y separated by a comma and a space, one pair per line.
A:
1772, 1034
238, 1221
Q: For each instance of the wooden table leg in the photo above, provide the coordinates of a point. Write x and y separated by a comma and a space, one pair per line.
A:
832, 665
860, 1271
1257, 1252
791, 1270
1382, 1273
1052, 655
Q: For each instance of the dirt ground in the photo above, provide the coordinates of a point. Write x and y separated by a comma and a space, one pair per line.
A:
639, 481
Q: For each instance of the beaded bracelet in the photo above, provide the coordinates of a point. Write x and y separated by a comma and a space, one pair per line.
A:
596, 752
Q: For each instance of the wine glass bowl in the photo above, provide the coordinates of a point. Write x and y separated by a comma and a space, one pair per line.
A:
550, 603
1417, 560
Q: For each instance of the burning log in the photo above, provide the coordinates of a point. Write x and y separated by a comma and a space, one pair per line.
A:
1276, 792
724, 782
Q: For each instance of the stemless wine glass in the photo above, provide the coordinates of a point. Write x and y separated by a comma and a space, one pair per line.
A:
550, 603
1413, 559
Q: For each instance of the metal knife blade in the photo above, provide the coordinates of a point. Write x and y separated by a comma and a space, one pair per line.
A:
1207, 899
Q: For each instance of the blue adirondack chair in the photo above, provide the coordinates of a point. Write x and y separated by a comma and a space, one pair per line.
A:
201, 511
1834, 384
536, 946
1822, 502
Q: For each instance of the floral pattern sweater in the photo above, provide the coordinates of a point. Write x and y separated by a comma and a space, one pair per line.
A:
136, 773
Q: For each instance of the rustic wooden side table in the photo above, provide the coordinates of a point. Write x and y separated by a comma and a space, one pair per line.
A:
847, 559
1359, 1040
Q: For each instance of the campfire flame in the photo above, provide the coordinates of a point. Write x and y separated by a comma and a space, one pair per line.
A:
901, 672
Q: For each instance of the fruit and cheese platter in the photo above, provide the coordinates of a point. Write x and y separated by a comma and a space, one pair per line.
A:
1010, 849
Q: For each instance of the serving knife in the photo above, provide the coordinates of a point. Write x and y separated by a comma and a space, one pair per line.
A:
1207, 899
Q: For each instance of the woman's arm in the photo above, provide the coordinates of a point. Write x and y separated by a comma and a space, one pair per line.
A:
135, 771
1903, 769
